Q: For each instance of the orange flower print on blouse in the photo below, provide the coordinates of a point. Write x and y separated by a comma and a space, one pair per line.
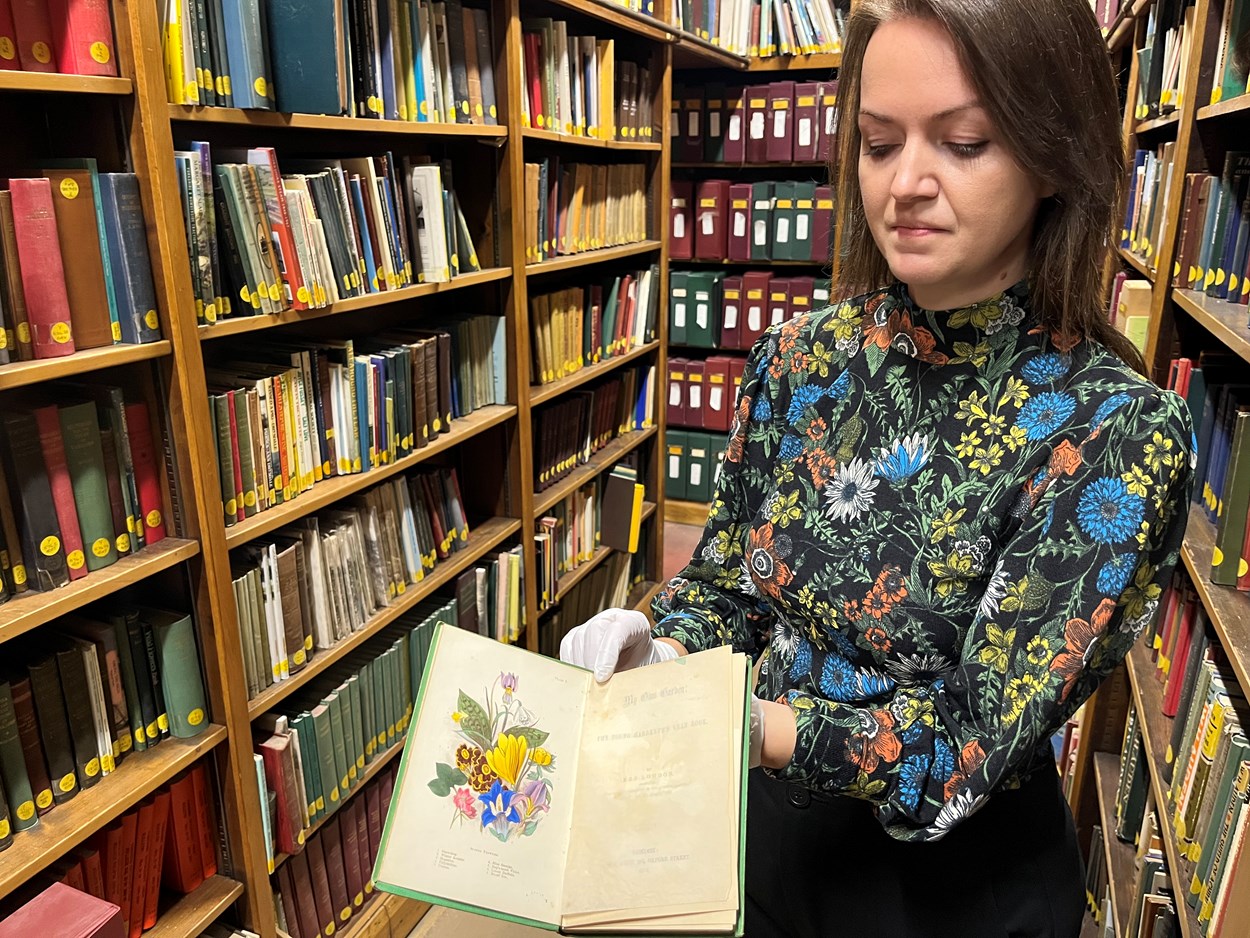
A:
875, 741
1080, 635
766, 559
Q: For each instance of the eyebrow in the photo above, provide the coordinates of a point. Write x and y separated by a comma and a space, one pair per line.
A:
942, 115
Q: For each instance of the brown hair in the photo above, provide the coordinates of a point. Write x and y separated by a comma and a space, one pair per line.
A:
1042, 73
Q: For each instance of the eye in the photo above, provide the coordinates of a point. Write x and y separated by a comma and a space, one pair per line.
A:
968, 150
877, 151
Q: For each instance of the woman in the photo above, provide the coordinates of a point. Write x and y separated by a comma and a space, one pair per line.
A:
949, 505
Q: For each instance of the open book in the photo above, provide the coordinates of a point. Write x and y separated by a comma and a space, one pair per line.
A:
530, 793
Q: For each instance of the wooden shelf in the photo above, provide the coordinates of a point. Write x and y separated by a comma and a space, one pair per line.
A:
795, 63
583, 570
1124, 23
371, 771
483, 538
17, 374
1156, 734
1120, 856
1239, 106
604, 459
780, 167
275, 120
1159, 123
192, 913
69, 824
1227, 607
641, 595
30, 610
401, 916
586, 258
694, 51
550, 136
237, 324
703, 262
61, 84
545, 392
1226, 321
621, 17
1136, 263
677, 511
330, 491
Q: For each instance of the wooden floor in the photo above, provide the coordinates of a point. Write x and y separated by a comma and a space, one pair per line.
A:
448, 923
679, 544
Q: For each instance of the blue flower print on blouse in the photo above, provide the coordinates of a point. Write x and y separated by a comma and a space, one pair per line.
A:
1046, 413
1108, 512
1046, 368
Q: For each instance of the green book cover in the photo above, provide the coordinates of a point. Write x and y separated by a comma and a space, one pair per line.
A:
679, 307
13, 765
804, 215
358, 722
182, 686
347, 718
306, 732
368, 721
134, 708
245, 487
326, 762
783, 221
609, 320
334, 703
1230, 529
762, 221
80, 430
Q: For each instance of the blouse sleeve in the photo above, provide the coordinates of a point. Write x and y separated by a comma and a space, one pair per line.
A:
1074, 586
713, 600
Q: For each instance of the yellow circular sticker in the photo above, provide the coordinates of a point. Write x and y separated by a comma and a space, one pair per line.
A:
334, 794
232, 507
44, 799
67, 783
69, 188
7, 50
75, 559
124, 744
345, 914
19, 574
117, 332
162, 722
360, 897
195, 717
210, 313
303, 295
275, 292
153, 731
151, 321
299, 657
61, 333
244, 294
123, 543
329, 929
261, 87
300, 839
153, 519
50, 545
23, 332
43, 54
4, 828
4, 338
92, 768
101, 547
100, 52
25, 810
249, 499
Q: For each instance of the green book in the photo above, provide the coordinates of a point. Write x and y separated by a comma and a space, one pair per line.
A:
357, 751
13, 765
698, 468
368, 722
678, 307
326, 763
762, 221
675, 464
80, 429
310, 764
804, 216
245, 487
783, 221
182, 686
334, 702
130, 683
609, 320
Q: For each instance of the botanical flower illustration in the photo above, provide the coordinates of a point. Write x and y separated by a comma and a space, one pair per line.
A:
851, 491
500, 770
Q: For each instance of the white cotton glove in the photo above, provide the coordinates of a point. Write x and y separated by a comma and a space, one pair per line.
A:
614, 640
755, 748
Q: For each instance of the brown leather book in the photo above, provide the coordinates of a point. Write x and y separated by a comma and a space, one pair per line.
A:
14, 293
304, 901
320, 885
73, 201
77, 702
32, 744
469, 27
356, 811
373, 819
15, 568
53, 727
292, 615
286, 895
332, 846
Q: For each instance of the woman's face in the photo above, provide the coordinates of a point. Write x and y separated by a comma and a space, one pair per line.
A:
949, 207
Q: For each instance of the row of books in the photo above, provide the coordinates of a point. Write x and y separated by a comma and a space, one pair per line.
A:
764, 28
74, 263
1163, 58
605, 587
490, 597
719, 220
702, 391
82, 485
57, 36
410, 60
1213, 255
692, 463
325, 737
1206, 764
713, 309
1232, 69
576, 85
1153, 904
1220, 407
261, 242
76, 702
570, 430
334, 872
575, 207
1105, 12
781, 122
218, 930
291, 414
577, 327
318, 581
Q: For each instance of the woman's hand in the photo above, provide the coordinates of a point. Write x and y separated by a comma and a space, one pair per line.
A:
615, 640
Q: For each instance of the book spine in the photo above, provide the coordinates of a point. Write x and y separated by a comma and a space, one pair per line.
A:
45, 688
42, 272
147, 479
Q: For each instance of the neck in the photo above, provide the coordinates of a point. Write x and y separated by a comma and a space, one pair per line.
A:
944, 296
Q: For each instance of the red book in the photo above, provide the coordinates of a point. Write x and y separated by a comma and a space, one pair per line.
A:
736, 126
83, 37
718, 404
738, 238
153, 859
754, 305
533, 71
757, 124
61, 911
183, 870
731, 313
779, 147
281, 224
676, 409
8, 38
680, 230
695, 398
822, 225
737, 367
290, 907
73, 877
691, 127
1180, 659
237, 459
206, 819
1243, 581
711, 228
801, 295
778, 301
147, 478
34, 35
827, 139
43, 274
806, 121
625, 313
92, 871
109, 844
139, 876
130, 825
49, 423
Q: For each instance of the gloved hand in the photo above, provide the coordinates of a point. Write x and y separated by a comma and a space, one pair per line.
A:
755, 748
614, 640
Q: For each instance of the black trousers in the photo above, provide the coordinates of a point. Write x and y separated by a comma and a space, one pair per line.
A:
822, 867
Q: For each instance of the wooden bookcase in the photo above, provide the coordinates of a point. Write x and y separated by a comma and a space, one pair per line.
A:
128, 124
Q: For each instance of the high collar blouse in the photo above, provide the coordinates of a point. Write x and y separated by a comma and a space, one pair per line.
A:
942, 530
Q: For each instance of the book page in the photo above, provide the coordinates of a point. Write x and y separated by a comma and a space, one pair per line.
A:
655, 827
483, 806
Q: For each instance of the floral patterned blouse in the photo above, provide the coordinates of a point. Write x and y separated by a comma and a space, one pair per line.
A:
942, 530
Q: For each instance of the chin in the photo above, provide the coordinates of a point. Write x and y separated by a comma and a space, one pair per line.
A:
918, 270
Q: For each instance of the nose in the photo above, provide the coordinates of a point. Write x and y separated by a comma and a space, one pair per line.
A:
914, 173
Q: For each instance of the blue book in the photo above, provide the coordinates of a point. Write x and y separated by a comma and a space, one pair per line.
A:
392, 230
303, 47
128, 257
1139, 160
245, 50
364, 431
418, 64
366, 243
386, 43
499, 359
